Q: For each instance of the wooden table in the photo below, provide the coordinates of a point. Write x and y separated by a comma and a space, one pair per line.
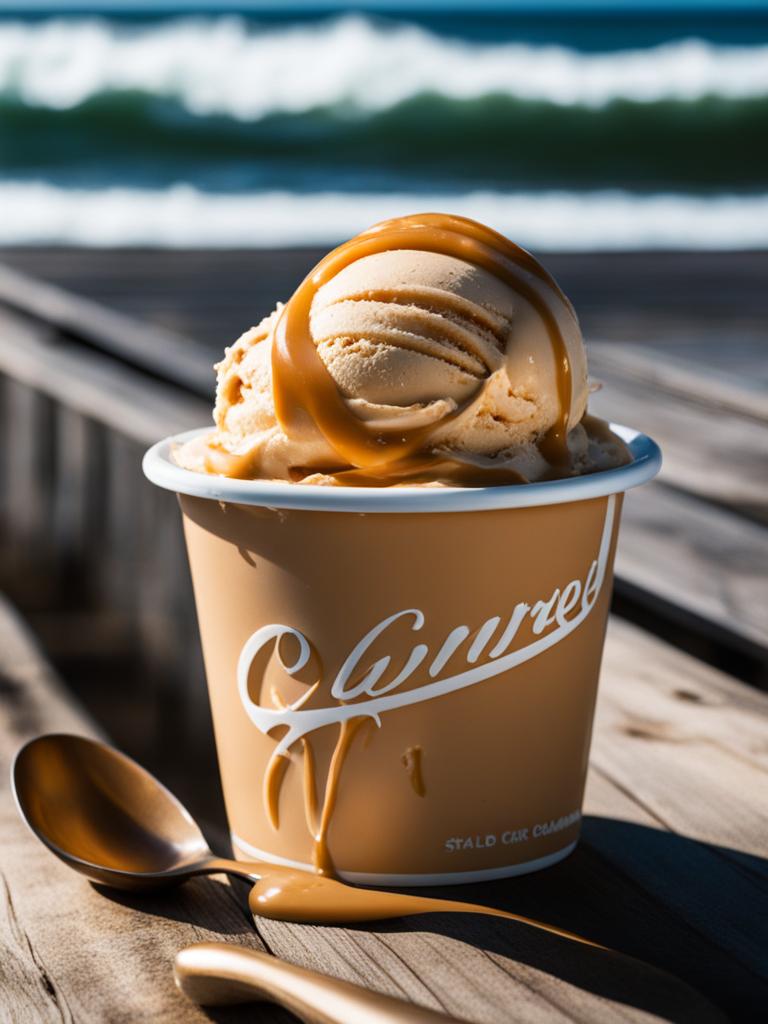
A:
672, 866
672, 869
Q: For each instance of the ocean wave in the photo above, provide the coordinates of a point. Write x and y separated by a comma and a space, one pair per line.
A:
38, 213
504, 144
228, 66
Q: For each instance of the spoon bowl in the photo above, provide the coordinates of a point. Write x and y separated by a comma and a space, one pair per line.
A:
104, 815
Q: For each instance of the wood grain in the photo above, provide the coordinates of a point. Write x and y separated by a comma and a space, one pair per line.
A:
716, 454
685, 377
660, 875
697, 565
68, 951
154, 348
94, 384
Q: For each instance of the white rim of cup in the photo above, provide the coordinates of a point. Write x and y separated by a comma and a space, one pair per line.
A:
162, 471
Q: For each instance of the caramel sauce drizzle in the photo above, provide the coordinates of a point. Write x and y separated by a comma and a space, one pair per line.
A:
321, 856
318, 823
412, 762
439, 468
288, 894
310, 786
239, 467
305, 393
273, 782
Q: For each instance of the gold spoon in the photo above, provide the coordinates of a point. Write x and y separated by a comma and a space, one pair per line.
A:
219, 974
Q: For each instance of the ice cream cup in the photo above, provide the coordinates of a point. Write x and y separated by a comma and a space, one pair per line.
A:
403, 679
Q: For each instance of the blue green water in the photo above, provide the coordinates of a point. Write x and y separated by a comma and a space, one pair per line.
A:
420, 103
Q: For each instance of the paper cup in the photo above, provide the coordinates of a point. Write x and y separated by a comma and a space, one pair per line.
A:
403, 679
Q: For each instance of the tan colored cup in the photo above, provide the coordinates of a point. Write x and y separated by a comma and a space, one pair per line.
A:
403, 679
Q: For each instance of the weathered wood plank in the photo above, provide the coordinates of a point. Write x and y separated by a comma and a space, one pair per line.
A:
475, 968
29, 480
69, 952
131, 403
723, 350
687, 378
708, 566
210, 296
668, 736
677, 794
715, 453
661, 890
213, 295
77, 536
150, 347
69, 526
26, 421
167, 616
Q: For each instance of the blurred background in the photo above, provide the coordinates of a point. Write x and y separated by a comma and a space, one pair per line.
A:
169, 170
572, 125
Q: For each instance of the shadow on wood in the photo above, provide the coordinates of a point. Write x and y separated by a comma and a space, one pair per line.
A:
590, 895
587, 894
199, 904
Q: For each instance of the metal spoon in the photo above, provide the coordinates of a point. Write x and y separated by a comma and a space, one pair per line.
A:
108, 818
219, 974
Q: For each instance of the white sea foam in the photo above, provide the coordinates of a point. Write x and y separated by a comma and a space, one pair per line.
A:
38, 213
225, 66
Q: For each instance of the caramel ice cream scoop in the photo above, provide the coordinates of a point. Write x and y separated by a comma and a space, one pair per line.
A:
459, 371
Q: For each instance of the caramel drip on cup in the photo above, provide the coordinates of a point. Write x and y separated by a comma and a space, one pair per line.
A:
321, 856
318, 821
412, 763
306, 394
309, 785
273, 783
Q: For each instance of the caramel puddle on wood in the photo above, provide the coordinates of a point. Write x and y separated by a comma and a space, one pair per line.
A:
287, 894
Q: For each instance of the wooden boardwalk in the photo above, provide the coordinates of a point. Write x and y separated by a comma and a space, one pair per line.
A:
672, 868
678, 299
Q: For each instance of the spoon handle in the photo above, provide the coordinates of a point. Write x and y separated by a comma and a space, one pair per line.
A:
218, 974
